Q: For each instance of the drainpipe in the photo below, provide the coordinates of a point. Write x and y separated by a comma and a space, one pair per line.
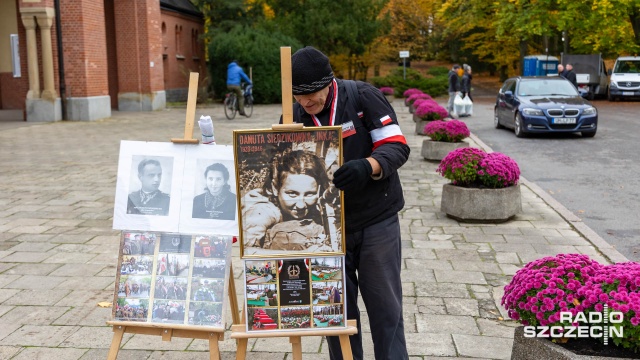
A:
63, 97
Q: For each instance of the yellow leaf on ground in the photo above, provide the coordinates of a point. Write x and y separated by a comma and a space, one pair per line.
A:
105, 304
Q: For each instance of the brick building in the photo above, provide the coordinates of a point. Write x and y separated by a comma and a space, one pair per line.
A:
130, 55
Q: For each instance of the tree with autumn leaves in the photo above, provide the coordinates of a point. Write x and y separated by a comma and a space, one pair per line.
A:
493, 35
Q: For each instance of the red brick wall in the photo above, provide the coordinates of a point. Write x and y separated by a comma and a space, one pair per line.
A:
139, 42
14, 90
39, 4
179, 68
84, 43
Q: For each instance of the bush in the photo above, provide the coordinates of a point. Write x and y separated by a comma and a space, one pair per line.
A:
471, 167
436, 85
257, 48
438, 71
386, 90
429, 110
446, 131
543, 288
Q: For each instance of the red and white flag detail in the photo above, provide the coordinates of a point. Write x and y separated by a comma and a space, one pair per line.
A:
387, 134
360, 114
386, 120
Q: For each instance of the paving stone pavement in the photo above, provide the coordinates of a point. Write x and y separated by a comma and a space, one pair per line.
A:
58, 253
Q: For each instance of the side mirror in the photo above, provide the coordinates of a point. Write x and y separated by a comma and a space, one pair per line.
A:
508, 94
609, 72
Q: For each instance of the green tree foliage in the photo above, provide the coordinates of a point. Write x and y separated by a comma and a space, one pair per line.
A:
252, 47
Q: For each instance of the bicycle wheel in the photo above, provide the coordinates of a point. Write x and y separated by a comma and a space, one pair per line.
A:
230, 107
248, 105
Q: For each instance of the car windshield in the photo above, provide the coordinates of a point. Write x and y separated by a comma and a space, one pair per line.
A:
627, 66
546, 87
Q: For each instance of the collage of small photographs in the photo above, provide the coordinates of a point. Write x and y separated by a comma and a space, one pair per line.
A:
294, 293
171, 278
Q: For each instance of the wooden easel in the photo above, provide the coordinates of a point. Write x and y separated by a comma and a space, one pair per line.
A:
238, 331
169, 331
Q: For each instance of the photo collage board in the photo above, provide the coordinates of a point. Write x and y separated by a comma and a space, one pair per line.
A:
171, 278
291, 228
294, 293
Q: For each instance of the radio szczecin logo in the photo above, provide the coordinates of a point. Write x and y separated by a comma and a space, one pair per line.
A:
598, 326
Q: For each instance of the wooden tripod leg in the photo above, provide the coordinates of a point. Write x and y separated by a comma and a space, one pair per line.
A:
345, 345
214, 350
118, 333
241, 353
233, 298
296, 346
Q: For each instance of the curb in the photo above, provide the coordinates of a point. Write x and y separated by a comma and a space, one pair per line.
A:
608, 251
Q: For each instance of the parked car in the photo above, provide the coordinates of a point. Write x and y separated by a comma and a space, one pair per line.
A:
625, 78
543, 104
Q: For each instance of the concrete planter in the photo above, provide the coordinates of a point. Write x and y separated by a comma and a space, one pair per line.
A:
389, 98
481, 205
411, 109
525, 348
437, 150
406, 101
420, 124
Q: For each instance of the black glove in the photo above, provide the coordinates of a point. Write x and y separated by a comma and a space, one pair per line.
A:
464, 94
353, 174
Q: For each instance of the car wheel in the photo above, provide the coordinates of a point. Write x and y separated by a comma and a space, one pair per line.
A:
588, 134
517, 126
609, 97
496, 121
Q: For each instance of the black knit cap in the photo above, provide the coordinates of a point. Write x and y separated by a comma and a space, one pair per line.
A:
310, 70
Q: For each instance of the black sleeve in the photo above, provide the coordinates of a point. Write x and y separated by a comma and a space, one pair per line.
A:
390, 149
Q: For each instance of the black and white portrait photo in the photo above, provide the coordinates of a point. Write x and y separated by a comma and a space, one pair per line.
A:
148, 188
289, 206
209, 201
148, 197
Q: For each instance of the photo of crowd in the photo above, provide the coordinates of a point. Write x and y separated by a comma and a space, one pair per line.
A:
262, 295
168, 311
329, 292
289, 206
209, 268
139, 243
174, 288
328, 316
326, 268
211, 246
173, 264
258, 272
131, 286
136, 265
131, 309
261, 319
207, 289
295, 317
205, 314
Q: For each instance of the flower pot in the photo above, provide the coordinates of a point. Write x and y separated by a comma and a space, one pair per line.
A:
481, 205
406, 101
389, 98
530, 348
411, 109
437, 150
420, 124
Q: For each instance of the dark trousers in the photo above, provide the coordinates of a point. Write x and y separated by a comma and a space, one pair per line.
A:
373, 264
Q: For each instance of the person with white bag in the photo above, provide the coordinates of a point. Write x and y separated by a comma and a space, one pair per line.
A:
454, 88
466, 99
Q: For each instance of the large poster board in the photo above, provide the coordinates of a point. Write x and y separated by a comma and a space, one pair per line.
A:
176, 188
172, 278
294, 293
289, 206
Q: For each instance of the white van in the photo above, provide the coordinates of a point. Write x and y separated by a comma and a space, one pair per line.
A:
625, 78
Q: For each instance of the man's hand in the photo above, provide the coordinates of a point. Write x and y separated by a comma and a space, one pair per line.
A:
353, 174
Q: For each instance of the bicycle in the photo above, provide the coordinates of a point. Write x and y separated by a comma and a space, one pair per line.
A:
231, 105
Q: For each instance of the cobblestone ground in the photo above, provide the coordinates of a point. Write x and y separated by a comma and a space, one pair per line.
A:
58, 253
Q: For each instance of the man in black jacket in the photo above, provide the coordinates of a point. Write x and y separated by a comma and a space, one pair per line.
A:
374, 149
454, 86
571, 75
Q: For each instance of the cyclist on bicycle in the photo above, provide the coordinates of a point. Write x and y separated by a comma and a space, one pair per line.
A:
235, 75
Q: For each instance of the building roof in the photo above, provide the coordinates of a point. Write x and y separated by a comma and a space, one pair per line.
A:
181, 6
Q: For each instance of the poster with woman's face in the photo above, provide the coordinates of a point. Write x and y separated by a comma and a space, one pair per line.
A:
148, 186
289, 206
209, 198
